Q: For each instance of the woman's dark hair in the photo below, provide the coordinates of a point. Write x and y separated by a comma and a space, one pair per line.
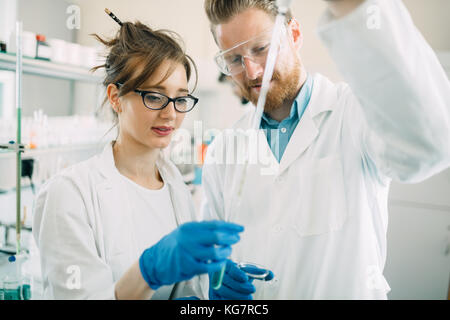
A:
138, 47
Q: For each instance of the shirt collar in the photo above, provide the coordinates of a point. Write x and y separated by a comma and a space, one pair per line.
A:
301, 100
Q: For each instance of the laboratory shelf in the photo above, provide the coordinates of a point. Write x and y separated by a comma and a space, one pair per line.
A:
48, 161
55, 149
48, 69
5, 148
6, 152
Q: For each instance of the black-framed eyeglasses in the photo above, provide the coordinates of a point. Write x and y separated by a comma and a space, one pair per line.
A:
157, 101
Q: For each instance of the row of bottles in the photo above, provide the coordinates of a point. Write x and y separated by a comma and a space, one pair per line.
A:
16, 284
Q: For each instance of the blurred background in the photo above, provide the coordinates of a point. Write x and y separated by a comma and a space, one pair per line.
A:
63, 122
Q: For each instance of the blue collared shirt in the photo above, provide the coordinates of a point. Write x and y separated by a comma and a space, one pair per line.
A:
279, 133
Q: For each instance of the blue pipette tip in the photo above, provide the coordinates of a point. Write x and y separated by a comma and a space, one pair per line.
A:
12, 258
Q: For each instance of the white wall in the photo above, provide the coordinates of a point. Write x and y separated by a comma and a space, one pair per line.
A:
431, 18
8, 9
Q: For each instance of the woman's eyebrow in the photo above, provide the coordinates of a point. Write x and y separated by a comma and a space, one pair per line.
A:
183, 90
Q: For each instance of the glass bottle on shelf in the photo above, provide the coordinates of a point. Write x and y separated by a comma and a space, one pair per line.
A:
25, 278
25, 288
16, 283
43, 49
11, 287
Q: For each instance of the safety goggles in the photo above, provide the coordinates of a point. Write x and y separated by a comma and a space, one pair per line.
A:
231, 61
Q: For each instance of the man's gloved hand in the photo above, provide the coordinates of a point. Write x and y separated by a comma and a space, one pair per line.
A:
193, 248
236, 284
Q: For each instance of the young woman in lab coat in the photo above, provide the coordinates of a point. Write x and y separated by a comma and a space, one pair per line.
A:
117, 225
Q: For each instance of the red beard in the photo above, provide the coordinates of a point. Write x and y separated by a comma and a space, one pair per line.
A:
282, 89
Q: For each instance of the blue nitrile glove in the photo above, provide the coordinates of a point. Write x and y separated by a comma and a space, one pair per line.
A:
236, 284
188, 298
193, 248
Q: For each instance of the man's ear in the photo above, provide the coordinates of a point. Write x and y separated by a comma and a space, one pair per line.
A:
295, 33
113, 97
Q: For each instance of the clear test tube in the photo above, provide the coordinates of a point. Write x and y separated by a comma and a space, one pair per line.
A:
217, 277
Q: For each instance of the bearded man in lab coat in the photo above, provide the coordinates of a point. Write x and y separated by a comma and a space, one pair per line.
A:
315, 210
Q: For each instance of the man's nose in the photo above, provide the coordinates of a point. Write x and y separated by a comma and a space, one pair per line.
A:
253, 70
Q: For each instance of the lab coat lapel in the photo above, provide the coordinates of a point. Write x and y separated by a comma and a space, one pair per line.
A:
266, 157
110, 186
113, 200
303, 136
262, 154
178, 208
174, 197
323, 97
179, 195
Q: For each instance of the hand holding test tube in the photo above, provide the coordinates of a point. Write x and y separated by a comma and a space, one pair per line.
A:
237, 281
192, 249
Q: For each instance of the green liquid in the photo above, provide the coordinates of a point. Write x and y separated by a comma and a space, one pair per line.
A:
12, 294
26, 292
217, 278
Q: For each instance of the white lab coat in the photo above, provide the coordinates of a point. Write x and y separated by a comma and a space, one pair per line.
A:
319, 218
85, 235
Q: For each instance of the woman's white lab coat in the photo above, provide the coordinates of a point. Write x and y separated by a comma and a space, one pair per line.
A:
319, 218
85, 236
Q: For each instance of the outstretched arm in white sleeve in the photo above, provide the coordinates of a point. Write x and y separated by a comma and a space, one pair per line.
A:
398, 86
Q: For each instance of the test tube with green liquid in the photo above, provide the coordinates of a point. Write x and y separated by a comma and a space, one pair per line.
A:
216, 281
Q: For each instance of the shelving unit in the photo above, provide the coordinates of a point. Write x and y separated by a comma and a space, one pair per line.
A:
26, 65
48, 69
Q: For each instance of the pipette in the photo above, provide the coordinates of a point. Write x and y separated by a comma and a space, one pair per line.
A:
283, 7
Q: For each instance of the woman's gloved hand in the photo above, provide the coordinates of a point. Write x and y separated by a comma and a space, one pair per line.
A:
236, 284
193, 248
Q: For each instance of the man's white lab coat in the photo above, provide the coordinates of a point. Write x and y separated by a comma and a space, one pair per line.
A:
319, 218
